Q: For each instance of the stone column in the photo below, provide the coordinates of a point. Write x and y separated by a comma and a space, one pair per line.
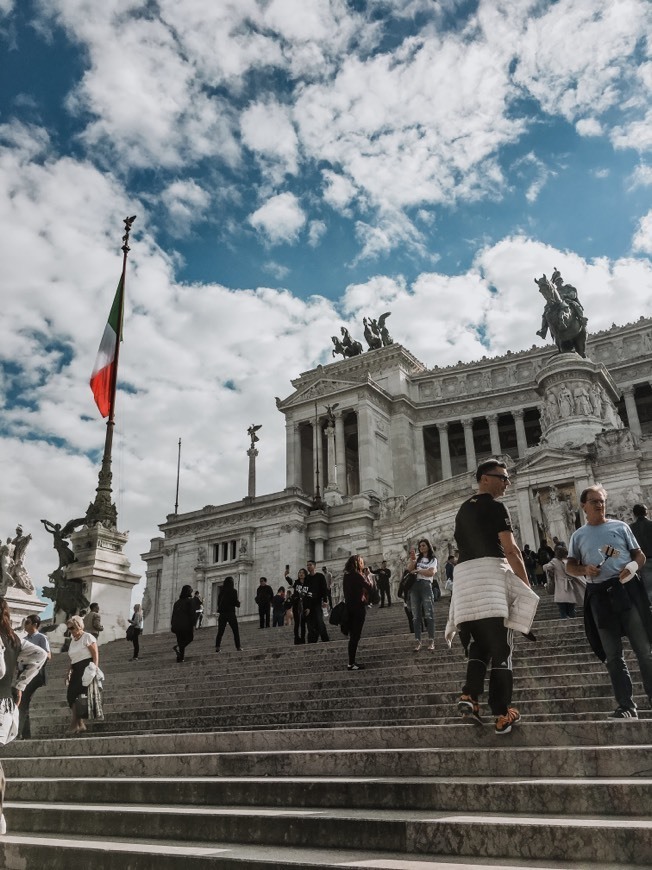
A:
252, 453
340, 452
332, 495
444, 450
521, 440
365, 455
632, 411
317, 465
494, 435
298, 466
290, 454
420, 459
471, 463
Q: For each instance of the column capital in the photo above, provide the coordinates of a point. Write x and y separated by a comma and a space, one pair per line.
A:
628, 390
467, 422
517, 413
443, 427
491, 418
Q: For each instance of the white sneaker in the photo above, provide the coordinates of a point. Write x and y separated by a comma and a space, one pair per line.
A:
3, 825
432, 646
418, 646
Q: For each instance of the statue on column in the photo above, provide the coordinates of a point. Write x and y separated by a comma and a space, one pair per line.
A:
251, 432
563, 314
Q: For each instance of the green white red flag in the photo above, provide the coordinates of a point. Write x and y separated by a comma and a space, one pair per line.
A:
103, 378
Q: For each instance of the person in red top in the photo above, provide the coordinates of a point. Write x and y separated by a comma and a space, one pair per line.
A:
356, 596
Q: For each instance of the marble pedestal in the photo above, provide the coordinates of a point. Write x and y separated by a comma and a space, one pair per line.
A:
105, 572
579, 401
22, 604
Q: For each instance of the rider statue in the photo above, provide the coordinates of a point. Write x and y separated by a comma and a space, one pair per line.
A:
568, 294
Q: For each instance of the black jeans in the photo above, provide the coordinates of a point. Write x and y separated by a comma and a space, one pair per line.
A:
184, 639
263, 614
223, 620
491, 643
136, 642
315, 624
299, 624
383, 588
24, 729
356, 620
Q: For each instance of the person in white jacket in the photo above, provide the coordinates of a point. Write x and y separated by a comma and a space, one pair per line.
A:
20, 662
486, 587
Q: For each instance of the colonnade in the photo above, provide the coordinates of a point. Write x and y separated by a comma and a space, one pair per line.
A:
469, 443
320, 458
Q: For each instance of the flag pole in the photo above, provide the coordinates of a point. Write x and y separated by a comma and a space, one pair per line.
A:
102, 509
176, 503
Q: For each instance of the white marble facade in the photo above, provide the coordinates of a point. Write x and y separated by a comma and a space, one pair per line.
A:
392, 446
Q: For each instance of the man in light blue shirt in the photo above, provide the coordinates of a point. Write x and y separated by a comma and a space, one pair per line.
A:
615, 606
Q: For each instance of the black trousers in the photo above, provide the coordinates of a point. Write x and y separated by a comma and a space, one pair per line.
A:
263, 614
356, 620
184, 639
24, 729
491, 644
383, 588
136, 642
223, 620
315, 624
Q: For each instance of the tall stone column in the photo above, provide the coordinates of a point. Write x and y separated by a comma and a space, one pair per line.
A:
290, 454
298, 465
420, 459
365, 453
494, 435
317, 466
444, 450
521, 439
332, 495
340, 452
252, 453
632, 411
469, 445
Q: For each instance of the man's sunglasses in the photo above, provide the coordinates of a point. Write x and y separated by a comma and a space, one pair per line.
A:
499, 476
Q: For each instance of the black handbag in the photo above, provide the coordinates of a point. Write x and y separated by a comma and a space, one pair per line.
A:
81, 706
338, 614
131, 632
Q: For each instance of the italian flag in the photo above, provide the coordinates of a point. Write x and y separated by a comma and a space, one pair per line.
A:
103, 377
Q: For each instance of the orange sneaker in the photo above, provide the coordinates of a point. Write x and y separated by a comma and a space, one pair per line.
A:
469, 709
504, 723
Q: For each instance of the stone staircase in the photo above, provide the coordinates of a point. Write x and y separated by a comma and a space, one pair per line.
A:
279, 757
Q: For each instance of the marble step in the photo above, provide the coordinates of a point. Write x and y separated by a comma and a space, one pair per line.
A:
596, 838
597, 733
586, 796
36, 852
494, 759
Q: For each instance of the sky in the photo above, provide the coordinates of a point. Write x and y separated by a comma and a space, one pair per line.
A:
294, 165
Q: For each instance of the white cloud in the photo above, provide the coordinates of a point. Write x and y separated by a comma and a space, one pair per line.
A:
267, 130
277, 270
589, 127
316, 232
186, 202
279, 219
642, 241
641, 177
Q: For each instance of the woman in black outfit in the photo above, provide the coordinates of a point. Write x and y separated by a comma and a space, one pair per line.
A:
227, 601
183, 621
356, 596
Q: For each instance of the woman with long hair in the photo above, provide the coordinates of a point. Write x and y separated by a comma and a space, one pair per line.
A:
136, 622
356, 586
20, 662
227, 601
422, 601
83, 651
183, 621
298, 591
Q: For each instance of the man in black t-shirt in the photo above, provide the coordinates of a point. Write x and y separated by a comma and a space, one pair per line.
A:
317, 592
483, 528
642, 529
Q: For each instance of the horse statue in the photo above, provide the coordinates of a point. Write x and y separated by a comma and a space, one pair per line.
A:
563, 315
347, 346
373, 340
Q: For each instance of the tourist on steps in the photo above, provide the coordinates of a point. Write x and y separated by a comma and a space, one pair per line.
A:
312, 604
489, 577
642, 529
20, 662
32, 625
227, 601
356, 586
422, 602
299, 590
136, 623
183, 622
567, 591
615, 605
264, 596
84, 676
